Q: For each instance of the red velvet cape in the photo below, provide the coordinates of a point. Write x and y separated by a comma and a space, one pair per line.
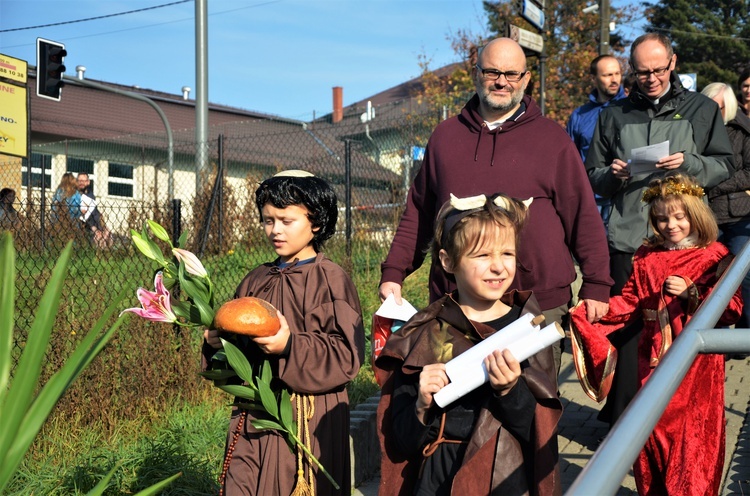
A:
685, 453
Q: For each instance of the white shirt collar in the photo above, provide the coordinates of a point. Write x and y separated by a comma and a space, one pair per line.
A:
689, 241
655, 101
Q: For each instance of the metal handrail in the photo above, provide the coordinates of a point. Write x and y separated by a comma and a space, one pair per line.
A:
609, 465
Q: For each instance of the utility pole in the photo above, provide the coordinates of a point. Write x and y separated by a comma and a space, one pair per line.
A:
533, 12
604, 27
201, 92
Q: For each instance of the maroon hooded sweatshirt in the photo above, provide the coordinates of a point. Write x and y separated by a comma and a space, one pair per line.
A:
526, 156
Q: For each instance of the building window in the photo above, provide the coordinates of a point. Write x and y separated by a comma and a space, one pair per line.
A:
120, 180
39, 163
82, 165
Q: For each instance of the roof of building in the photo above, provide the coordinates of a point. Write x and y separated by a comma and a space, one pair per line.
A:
89, 113
93, 114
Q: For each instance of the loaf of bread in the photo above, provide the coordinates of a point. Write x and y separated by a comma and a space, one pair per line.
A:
249, 316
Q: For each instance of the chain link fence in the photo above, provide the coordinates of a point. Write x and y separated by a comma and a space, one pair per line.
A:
370, 163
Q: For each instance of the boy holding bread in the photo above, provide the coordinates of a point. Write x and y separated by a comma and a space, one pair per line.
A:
315, 343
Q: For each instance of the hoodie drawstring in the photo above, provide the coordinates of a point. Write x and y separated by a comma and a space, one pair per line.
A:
479, 140
494, 142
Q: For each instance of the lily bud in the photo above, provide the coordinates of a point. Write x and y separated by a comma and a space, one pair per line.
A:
193, 266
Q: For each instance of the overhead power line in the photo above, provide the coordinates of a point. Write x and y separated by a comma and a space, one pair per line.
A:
95, 18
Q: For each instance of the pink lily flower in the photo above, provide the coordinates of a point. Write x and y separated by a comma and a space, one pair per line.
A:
193, 266
157, 306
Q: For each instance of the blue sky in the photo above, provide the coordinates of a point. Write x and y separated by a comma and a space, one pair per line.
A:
279, 57
274, 56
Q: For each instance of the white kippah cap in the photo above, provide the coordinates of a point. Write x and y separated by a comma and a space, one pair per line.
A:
294, 173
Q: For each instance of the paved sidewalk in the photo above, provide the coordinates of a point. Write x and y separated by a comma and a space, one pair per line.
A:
580, 431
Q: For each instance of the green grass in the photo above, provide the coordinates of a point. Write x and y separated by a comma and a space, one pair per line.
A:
181, 437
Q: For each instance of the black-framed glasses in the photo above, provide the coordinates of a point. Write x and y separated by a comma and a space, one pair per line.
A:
658, 72
494, 74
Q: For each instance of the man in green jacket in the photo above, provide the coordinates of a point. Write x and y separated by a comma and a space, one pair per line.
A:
659, 110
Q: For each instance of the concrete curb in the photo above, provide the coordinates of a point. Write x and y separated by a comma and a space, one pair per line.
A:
364, 446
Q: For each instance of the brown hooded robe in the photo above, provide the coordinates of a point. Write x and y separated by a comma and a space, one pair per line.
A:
495, 461
326, 349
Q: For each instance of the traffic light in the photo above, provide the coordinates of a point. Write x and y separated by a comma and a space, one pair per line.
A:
49, 68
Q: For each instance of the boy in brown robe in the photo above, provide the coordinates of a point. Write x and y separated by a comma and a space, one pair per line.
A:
317, 351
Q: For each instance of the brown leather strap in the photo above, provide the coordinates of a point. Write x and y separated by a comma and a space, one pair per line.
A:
431, 447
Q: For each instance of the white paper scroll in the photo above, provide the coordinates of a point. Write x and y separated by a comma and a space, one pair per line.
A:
467, 371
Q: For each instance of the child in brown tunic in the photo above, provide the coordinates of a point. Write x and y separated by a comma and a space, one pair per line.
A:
500, 438
317, 351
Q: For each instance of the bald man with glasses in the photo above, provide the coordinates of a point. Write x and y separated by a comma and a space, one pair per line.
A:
659, 110
501, 142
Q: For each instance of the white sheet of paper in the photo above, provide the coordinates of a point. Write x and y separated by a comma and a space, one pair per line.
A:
88, 204
392, 310
643, 159
473, 374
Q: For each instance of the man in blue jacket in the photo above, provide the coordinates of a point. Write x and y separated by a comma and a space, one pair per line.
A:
607, 78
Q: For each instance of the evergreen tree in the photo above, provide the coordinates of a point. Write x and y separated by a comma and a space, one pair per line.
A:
711, 38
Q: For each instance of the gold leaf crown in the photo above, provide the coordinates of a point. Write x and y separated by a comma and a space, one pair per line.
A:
671, 186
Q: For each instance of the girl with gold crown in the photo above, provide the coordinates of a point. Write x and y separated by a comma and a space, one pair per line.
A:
673, 272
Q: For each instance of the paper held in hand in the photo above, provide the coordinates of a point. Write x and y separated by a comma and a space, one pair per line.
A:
643, 159
523, 338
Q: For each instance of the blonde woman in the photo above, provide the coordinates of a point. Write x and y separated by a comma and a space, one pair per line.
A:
67, 195
728, 199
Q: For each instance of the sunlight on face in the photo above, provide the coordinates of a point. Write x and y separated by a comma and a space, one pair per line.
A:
501, 96
671, 221
485, 273
650, 58
290, 232
608, 77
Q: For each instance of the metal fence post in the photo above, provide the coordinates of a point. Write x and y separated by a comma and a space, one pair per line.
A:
348, 195
176, 220
216, 194
42, 205
176, 233
408, 158
220, 179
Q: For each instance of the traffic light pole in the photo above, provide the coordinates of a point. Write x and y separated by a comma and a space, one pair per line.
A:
49, 68
604, 27
136, 96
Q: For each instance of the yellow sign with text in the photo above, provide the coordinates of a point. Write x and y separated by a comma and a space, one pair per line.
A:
13, 120
13, 69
